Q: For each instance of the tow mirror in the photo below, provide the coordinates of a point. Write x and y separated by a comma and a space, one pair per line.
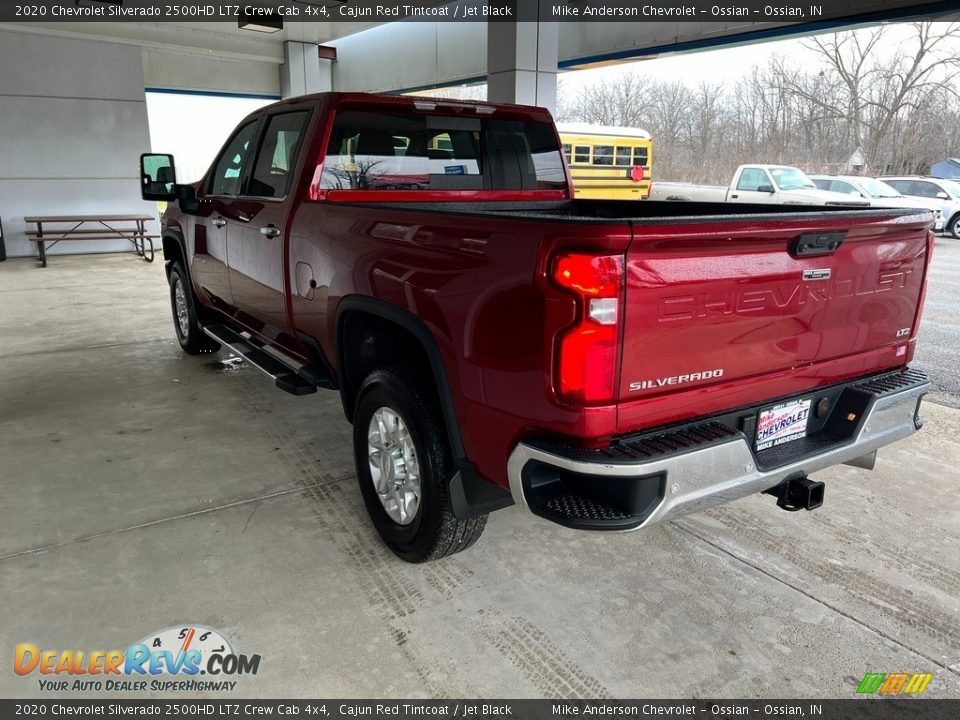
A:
158, 177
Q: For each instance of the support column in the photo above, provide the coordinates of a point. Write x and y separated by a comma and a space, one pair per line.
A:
303, 71
522, 63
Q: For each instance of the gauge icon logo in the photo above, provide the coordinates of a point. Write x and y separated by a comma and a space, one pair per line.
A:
188, 648
183, 638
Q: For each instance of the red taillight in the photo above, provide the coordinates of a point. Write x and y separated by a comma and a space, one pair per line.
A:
588, 351
931, 241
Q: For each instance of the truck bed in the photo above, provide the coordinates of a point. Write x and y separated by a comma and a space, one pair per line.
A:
719, 308
649, 211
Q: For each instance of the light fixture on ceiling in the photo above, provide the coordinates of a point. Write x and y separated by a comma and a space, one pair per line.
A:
259, 19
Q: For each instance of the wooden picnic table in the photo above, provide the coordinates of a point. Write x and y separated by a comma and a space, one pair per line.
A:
91, 227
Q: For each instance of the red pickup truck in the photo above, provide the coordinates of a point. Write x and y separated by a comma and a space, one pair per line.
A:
604, 365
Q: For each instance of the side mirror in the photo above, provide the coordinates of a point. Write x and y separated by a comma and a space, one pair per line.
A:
158, 177
765, 188
942, 195
187, 195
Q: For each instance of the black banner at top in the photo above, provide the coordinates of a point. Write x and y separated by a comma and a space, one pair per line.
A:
374, 11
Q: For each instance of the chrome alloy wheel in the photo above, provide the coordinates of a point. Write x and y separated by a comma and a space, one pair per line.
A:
180, 307
393, 465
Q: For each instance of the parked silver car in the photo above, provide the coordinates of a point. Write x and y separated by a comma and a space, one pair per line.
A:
946, 192
879, 193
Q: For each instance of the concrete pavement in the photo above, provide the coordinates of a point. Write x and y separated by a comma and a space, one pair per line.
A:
143, 489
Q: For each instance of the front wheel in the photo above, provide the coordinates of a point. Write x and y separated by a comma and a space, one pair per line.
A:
404, 468
192, 338
953, 226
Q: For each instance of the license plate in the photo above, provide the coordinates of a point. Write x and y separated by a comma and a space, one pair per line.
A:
782, 423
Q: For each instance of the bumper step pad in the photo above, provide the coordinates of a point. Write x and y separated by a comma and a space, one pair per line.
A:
894, 382
576, 507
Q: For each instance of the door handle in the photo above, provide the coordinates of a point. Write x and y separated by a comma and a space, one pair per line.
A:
219, 222
735, 195
270, 231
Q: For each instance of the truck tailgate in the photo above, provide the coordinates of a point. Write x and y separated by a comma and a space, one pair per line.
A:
720, 304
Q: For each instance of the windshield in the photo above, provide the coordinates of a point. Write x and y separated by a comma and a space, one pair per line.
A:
878, 189
791, 178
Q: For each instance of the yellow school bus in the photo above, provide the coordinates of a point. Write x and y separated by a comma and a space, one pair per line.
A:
608, 163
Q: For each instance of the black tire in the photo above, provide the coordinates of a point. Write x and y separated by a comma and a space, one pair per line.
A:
192, 339
434, 531
953, 226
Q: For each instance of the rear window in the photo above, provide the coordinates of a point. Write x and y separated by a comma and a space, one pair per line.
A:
411, 151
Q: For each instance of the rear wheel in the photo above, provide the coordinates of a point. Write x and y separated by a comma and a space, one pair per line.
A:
404, 468
192, 339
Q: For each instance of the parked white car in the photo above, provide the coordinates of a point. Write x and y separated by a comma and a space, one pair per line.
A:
777, 184
946, 192
878, 193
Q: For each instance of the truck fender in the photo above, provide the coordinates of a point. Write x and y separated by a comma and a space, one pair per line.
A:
174, 236
470, 495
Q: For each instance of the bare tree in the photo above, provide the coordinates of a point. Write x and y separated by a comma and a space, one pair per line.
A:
620, 101
878, 88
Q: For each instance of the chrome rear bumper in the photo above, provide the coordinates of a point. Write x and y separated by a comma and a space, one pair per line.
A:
699, 478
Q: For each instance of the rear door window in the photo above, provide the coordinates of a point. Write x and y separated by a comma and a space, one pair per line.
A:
843, 187
904, 187
277, 155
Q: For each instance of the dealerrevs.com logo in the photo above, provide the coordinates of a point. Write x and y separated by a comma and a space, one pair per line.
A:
167, 660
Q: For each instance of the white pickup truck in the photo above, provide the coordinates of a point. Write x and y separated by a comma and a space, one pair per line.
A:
774, 184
